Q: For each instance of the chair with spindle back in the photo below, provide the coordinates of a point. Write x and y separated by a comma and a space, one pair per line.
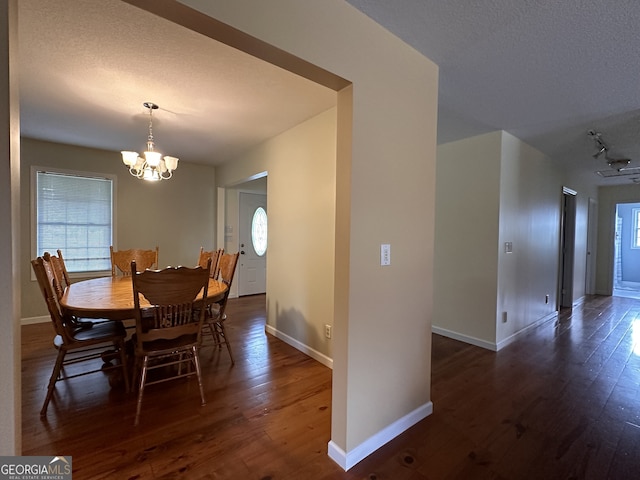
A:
121, 260
169, 320
75, 344
61, 282
214, 255
61, 269
216, 313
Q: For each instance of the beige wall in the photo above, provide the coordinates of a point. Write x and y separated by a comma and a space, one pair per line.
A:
11, 392
301, 165
494, 189
387, 156
177, 215
467, 228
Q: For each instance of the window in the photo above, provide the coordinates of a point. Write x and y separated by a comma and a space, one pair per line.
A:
74, 213
635, 239
259, 231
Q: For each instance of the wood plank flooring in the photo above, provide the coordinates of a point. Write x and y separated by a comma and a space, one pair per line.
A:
562, 402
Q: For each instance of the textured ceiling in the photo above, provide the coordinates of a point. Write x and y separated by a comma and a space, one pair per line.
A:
87, 66
545, 71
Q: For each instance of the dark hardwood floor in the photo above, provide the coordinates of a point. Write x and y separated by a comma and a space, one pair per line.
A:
562, 402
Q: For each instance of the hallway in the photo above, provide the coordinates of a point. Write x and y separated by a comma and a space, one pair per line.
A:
563, 402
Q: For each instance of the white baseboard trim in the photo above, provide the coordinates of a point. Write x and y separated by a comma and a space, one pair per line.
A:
519, 333
489, 345
464, 338
316, 355
34, 320
346, 460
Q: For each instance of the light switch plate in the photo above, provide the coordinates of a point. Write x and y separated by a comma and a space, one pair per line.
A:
385, 254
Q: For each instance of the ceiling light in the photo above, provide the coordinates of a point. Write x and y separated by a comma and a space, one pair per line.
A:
599, 152
600, 146
153, 166
618, 164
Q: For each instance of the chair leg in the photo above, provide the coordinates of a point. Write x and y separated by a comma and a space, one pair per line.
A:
123, 364
223, 334
196, 362
52, 381
143, 379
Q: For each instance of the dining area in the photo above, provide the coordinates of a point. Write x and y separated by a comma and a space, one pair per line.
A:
140, 326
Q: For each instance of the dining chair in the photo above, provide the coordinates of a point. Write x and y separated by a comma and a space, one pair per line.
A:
61, 282
169, 322
214, 255
121, 260
75, 344
216, 313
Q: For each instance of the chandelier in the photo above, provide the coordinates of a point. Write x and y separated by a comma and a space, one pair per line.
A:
153, 166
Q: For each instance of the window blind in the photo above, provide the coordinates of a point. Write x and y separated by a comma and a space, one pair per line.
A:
75, 214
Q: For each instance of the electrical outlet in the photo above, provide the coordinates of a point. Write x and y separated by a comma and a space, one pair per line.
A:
327, 331
504, 317
546, 298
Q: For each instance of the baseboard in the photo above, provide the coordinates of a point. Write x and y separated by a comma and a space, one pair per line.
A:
316, 355
34, 320
510, 339
490, 345
464, 338
346, 460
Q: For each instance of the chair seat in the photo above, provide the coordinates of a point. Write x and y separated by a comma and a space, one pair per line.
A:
99, 331
165, 346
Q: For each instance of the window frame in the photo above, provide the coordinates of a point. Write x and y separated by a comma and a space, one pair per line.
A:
253, 237
34, 211
635, 237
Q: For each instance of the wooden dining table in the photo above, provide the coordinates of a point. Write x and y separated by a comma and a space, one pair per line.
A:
112, 297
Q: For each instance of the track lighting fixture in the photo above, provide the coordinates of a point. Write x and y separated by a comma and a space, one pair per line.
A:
600, 145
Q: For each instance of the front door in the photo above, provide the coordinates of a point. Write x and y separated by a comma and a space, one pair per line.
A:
252, 234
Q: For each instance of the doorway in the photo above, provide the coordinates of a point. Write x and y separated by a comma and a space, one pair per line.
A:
567, 248
626, 251
253, 238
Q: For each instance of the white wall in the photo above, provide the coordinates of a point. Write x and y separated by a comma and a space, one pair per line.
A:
178, 215
530, 200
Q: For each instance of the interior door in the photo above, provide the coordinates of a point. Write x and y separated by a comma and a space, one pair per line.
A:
592, 233
252, 264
